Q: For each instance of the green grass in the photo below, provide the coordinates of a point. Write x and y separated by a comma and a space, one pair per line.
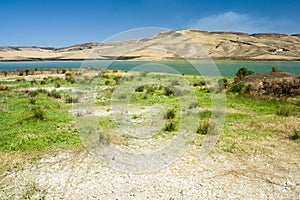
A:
42, 126
39, 120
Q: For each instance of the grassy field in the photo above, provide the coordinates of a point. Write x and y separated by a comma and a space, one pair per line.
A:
36, 119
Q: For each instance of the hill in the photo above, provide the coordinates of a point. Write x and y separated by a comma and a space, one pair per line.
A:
217, 45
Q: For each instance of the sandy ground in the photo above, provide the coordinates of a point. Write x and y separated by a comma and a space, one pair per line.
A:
68, 175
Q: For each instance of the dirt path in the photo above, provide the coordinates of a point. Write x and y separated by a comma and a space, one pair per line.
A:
220, 176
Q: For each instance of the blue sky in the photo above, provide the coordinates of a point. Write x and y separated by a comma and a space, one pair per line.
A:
60, 23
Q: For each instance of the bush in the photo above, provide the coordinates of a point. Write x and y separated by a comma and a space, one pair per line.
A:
140, 89
57, 85
38, 113
276, 69
168, 92
169, 127
32, 101
283, 111
54, 94
43, 82
70, 79
203, 128
70, 99
237, 88
200, 83
170, 114
244, 72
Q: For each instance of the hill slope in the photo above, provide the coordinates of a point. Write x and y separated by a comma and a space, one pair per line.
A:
217, 45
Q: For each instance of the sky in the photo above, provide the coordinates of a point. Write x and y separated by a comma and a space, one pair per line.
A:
59, 23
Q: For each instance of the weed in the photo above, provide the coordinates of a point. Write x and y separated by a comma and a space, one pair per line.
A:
237, 88
243, 72
170, 126
54, 94
32, 101
170, 114
283, 111
38, 113
203, 128
140, 89
168, 92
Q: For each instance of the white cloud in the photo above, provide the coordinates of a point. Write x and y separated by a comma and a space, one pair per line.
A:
233, 21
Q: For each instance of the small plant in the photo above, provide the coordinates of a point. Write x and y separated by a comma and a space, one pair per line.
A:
276, 69
107, 82
283, 111
200, 83
237, 88
32, 101
70, 99
57, 85
70, 79
54, 94
170, 114
168, 92
140, 89
38, 113
203, 128
243, 72
170, 126
33, 82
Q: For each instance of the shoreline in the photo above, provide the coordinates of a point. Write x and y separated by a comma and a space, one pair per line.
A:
156, 60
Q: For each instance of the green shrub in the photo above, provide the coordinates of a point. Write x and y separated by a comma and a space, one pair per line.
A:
276, 69
32, 101
54, 94
170, 114
38, 113
70, 99
57, 85
140, 89
237, 88
243, 72
107, 82
70, 79
170, 126
168, 92
203, 128
283, 111
200, 83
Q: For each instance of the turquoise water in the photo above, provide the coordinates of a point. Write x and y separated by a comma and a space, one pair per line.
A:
226, 68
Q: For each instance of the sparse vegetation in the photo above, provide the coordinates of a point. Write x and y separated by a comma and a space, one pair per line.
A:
35, 120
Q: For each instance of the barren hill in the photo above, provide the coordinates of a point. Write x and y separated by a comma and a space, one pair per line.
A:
217, 45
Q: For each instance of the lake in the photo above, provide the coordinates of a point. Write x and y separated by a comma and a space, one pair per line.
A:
226, 68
